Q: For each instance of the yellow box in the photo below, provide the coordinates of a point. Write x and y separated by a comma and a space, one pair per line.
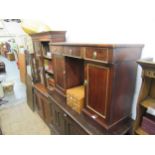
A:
8, 87
75, 98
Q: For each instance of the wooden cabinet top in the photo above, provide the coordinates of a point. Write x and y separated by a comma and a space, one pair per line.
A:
104, 53
41, 88
49, 35
98, 45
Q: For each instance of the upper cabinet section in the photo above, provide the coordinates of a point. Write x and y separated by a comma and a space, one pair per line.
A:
104, 53
43, 56
52, 36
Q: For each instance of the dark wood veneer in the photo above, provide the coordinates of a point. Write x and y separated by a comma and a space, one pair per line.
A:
44, 70
109, 78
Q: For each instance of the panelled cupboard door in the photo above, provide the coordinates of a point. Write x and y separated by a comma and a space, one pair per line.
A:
97, 88
38, 104
73, 128
58, 119
63, 123
59, 71
46, 110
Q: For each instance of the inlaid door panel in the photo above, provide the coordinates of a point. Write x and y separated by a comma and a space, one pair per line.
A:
97, 88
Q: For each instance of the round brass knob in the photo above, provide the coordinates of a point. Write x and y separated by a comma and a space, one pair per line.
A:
94, 55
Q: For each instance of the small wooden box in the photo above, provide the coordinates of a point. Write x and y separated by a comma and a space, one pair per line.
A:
75, 98
11, 56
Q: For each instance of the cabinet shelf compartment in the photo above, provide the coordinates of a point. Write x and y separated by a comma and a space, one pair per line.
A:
50, 84
148, 123
146, 103
149, 103
45, 48
49, 72
47, 57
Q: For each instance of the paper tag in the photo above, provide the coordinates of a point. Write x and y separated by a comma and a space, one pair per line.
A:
151, 111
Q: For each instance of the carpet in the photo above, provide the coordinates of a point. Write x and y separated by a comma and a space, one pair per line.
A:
20, 120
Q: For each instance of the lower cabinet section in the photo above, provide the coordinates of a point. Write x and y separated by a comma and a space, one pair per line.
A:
64, 124
74, 129
42, 106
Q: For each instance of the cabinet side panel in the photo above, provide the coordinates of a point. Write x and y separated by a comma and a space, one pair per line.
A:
123, 90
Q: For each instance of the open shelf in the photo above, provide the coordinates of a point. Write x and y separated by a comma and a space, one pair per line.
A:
50, 89
38, 55
49, 72
149, 103
47, 57
140, 131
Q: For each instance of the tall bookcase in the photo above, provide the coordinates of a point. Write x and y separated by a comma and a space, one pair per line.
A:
43, 70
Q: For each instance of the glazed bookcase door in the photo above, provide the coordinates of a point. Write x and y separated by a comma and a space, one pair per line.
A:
37, 48
97, 88
38, 104
35, 73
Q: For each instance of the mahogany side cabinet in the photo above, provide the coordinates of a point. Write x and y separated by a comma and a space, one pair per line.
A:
108, 73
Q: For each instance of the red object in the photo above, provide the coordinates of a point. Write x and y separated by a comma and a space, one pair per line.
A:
17, 64
148, 124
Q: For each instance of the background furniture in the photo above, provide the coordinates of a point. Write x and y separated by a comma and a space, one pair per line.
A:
145, 123
30, 75
108, 73
22, 66
2, 67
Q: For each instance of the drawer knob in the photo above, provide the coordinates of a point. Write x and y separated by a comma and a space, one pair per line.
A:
94, 55
85, 82
70, 51
64, 72
65, 115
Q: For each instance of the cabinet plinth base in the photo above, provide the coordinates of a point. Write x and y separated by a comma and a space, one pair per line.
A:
122, 126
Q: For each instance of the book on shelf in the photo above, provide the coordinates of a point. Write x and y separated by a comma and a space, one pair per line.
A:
148, 124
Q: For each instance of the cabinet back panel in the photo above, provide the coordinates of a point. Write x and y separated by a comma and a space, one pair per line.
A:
60, 70
74, 72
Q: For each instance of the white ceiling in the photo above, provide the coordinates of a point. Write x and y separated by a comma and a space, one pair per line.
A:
10, 29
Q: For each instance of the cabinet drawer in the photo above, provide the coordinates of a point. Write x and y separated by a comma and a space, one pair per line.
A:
73, 51
56, 49
97, 54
